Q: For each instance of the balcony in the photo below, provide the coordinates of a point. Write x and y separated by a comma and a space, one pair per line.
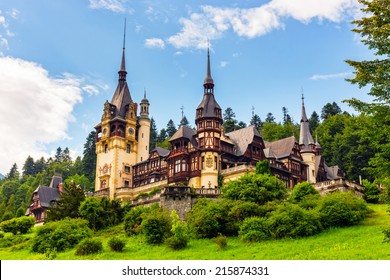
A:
238, 169
103, 193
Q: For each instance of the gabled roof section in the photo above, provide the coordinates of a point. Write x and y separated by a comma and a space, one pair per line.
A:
242, 138
121, 98
183, 132
305, 137
282, 148
55, 181
162, 152
208, 104
47, 195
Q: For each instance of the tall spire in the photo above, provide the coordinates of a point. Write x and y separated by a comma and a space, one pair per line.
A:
122, 70
305, 137
208, 80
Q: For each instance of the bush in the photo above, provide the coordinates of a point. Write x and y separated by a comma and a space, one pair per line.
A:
18, 225
301, 191
88, 247
371, 191
258, 188
1, 234
61, 235
180, 236
221, 241
7, 216
254, 229
133, 220
341, 209
116, 244
386, 232
155, 226
290, 220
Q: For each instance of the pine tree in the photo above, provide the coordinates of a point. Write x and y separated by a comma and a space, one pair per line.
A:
89, 156
256, 121
13, 173
184, 121
29, 167
171, 128
162, 135
229, 121
65, 155
153, 134
330, 109
314, 121
58, 155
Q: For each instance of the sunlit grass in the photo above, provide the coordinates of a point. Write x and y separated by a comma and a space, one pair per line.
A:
360, 242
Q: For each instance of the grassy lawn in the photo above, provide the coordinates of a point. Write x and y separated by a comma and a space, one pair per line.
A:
360, 242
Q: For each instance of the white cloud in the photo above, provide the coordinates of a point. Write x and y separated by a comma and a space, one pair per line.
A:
155, 43
116, 6
212, 22
3, 42
318, 77
35, 109
14, 13
91, 90
223, 64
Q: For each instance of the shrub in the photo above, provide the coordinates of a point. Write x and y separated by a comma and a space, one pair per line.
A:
1, 234
254, 229
18, 225
221, 241
258, 188
61, 235
180, 236
371, 191
301, 191
386, 232
341, 209
290, 220
116, 244
89, 246
155, 226
133, 220
7, 216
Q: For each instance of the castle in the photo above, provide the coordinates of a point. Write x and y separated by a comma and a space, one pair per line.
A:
199, 157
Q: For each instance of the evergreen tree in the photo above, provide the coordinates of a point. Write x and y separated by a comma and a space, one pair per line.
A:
270, 118
229, 121
162, 135
330, 109
241, 124
286, 116
184, 121
29, 167
13, 173
68, 204
314, 121
89, 157
65, 155
229, 114
58, 155
171, 128
256, 121
153, 134
40, 165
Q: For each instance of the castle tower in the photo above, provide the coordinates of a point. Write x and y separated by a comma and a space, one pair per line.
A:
209, 129
116, 143
144, 130
307, 145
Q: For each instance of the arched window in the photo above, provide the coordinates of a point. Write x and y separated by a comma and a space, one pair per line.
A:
105, 148
183, 165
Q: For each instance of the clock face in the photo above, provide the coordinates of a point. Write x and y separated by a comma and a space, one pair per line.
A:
131, 131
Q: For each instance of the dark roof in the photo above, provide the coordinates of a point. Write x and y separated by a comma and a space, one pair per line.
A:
183, 132
55, 181
305, 137
47, 195
162, 152
208, 79
121, 98
282, 148
208, 104
242, 138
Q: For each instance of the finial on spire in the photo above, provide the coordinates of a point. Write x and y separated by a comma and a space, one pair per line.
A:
253, 111
182, 111
123, 62
302, 96
209, 79
144, 93
124, 35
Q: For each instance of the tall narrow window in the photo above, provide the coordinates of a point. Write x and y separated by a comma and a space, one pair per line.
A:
128, 148
106, 148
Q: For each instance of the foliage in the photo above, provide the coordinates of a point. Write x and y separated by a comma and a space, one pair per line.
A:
180, 237
88, 247
89, 157
330, 109
101, 212
153, 134
341, 209
133, 220
221, 241
263, 167
80, 180
314, 121
258, 188
384, 196
371, 191
61, 235
18, 225
116, 244
254, 229
155, 226
273, 131
171, 128
301, 191
68, 204
386, 232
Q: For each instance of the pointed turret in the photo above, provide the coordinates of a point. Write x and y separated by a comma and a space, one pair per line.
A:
305, 138
209, 106
122, 95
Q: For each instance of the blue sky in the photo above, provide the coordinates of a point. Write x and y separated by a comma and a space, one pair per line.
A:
59, 62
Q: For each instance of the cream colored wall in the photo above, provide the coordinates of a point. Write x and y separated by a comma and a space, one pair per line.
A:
194, 182
209, 174
309, 159
143, 139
